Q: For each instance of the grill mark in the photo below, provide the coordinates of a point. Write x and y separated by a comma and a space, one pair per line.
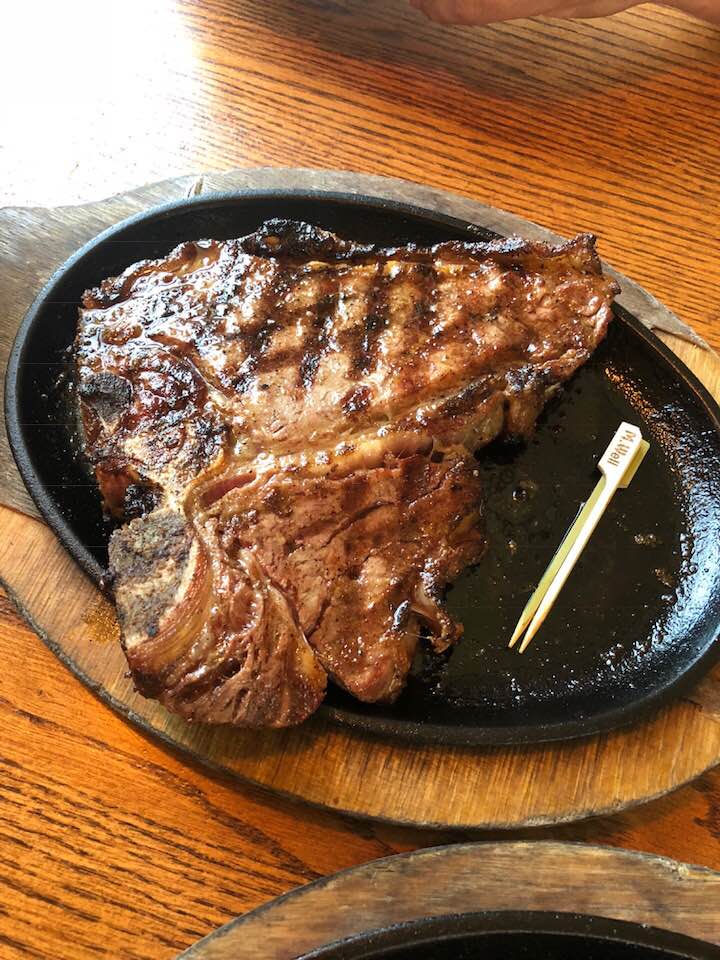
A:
281, 358
357, 399
258, 337
258, 346
426, 277
317, 339
363, 355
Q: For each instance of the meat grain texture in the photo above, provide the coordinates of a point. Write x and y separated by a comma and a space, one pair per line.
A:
286, 425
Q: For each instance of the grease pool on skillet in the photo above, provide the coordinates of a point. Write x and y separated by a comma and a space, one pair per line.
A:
640, 615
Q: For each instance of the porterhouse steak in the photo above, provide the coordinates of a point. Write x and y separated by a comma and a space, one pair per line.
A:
286, 423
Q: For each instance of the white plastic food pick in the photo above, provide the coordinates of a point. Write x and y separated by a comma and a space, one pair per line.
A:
618, 466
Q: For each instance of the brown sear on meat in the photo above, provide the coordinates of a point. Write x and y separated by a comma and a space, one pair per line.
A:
288, 421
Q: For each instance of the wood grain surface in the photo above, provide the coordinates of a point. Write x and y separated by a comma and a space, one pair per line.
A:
318, 762
364, 775
476, 878
609, 126
111, 845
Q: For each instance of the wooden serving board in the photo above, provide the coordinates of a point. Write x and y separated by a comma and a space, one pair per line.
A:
483, 877
318, 762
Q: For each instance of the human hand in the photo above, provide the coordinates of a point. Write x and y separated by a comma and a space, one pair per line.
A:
477, 12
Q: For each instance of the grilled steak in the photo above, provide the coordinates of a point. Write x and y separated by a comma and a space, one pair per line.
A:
287, 425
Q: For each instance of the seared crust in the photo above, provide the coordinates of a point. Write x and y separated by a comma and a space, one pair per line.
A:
296, 242
296, 416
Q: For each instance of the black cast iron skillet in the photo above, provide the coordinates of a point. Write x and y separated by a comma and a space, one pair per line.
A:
517, 936
637, 622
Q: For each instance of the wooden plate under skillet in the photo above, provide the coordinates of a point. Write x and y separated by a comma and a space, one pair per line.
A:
635, 629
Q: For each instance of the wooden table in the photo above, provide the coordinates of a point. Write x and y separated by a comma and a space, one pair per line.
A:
109, 844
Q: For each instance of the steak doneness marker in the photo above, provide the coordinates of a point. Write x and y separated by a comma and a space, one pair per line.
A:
618, 466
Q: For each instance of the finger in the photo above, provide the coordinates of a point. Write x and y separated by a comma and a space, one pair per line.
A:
474, 12
478, 12
452, 11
